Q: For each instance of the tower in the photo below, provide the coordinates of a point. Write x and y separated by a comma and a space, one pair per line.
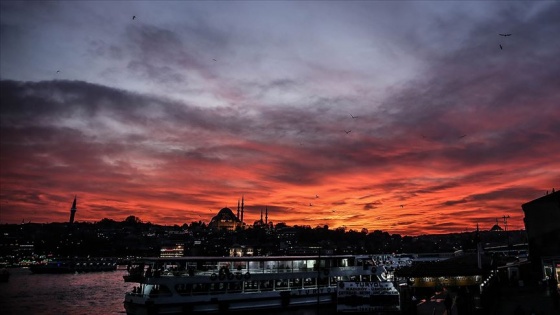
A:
73, 211
266, 216
238, 209
242, 202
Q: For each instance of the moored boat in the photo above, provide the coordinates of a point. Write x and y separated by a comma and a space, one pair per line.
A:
227, 284
74, 265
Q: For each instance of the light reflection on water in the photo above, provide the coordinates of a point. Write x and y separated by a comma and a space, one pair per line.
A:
80, 294
72, 294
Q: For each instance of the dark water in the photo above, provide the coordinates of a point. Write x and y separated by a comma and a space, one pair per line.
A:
79, 294
72, 294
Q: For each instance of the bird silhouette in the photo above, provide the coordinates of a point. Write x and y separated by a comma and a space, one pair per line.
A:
316, 196
501, 47
353, 116
402, 206
461, 137
348, 131
57, 71
505, 34
214, 59
134, 17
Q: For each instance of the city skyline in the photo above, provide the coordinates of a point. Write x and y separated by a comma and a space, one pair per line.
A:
407, 117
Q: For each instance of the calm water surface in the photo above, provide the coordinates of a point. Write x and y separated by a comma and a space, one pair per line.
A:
100, 293
73, 294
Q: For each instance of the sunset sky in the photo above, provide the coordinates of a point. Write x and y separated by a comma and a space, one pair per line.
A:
405, 117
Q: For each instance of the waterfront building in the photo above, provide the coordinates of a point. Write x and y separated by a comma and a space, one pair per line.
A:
463, 270
241, 250
542, 223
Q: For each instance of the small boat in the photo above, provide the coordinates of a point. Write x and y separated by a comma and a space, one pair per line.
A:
185, 285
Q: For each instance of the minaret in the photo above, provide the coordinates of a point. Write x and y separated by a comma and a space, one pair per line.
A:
242, 203
478, 248
266, 216
237, 209
73, 211
261, 217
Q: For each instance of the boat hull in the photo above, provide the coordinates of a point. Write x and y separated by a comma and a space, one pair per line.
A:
276, 300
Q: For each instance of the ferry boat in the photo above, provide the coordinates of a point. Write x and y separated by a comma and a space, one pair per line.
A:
185, 285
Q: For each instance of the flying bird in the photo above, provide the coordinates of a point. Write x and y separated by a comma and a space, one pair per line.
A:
353, 116
310, 205
134, 17
501, 47
214, 59
57, 71
316, 196
505, 34
348, 131
402, 206
461, 137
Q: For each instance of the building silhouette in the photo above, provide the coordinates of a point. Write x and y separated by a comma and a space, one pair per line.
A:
227, 220
262, 223
542, 223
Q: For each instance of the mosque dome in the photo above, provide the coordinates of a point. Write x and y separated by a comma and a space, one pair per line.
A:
225, 214
496, 228
225, 219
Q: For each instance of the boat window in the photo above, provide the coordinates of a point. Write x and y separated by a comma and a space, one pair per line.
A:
254, 266
160, 290
184, 289
297, 265
266, 285
281, 284
269, 266
219, 287
239, 265
235, 287
251, 286
294, 283
309, 283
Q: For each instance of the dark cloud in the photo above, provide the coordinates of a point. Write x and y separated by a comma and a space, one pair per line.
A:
170, 57
474, 129
524, 193
372, 205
